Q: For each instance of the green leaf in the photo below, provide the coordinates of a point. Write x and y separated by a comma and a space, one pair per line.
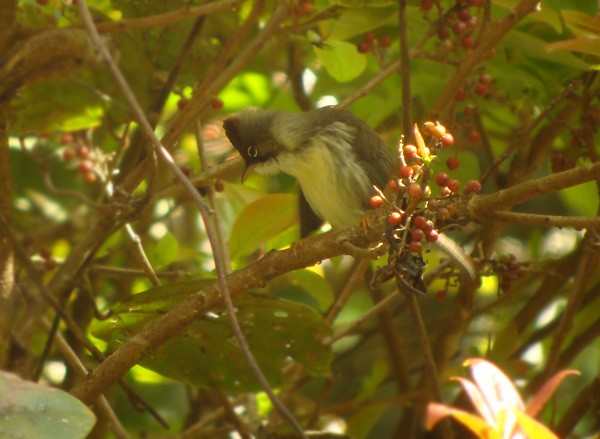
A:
261, 220
315, 285
341, 60
581, 199
207, 354
166, 250
32, 411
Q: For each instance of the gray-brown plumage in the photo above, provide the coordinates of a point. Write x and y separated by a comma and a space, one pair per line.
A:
335, 156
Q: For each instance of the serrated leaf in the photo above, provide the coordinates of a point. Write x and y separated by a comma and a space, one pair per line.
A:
207, 354
32, 411
261, 220
341, 60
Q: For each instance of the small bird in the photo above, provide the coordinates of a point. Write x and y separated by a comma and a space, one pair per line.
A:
334, 156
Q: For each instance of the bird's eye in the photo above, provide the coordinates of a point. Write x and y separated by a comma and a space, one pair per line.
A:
252, 151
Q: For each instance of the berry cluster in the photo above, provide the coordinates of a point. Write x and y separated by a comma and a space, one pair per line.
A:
415, 216
72, 151
458, 25
371, 43
508, 269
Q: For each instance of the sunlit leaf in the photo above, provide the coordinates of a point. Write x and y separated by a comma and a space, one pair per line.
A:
341, 60
32, 411
261, 220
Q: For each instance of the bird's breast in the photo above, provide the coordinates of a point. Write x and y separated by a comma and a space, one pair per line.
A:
335, 185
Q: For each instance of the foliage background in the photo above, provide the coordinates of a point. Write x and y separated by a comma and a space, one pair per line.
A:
82, 212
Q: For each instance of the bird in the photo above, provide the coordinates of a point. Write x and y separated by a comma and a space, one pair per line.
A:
336, 157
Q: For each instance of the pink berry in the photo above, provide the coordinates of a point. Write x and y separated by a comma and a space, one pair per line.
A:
473, 186
453, 185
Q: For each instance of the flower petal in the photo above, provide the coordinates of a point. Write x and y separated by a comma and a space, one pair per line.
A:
543, 395
436, 412
497, 389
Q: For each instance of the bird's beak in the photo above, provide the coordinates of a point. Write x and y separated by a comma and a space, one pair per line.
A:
247, 171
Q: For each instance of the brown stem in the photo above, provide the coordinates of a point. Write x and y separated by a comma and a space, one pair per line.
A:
7, 290
183, 13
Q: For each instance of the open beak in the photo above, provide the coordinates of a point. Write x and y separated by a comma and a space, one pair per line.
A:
247, 171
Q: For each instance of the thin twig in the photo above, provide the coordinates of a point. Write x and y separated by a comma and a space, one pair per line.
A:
183, 13
206, 213
532, 219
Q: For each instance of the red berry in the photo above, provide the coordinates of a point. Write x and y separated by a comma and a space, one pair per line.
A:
473, 186
471, 22
481, 89
470, 110
415, 247
459, 27
362, 47
83, 152
394, 218
393, 186
90, 178
216, 104
428, 128
432, 236
476, 3
426, 5
369, 38
448, 139
406, 171
385, 41
68, 154
428, 227
463, 14
441, 179
86, 166
307, 8
182, 103
66, 138
376, 201
443, 33
409, 151
438, 131
417, 234
485, 79
475, 136
415, 191
440, 295
452, 163
468, 42
453, 185
444, 192
219, 185
419, 221
446, 45
460, 96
